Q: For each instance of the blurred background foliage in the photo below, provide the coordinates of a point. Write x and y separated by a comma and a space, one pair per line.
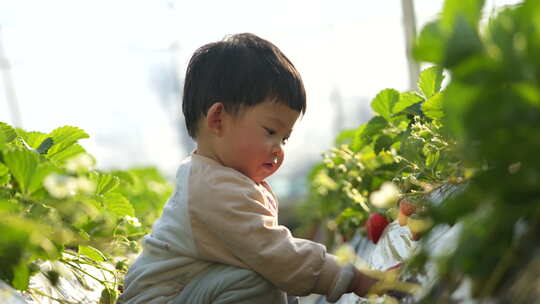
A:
481, 129
56, 207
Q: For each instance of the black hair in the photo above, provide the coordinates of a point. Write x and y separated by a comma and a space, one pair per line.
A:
240, 70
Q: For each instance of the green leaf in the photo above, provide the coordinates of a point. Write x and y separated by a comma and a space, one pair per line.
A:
27, 169
401, 122
410, 148
367, 131
65, 143
128, 177
21, 277
432, 159
382, 143
458, 100
433, 107
32, 139
383, 104
470, 11
105, 183
45, 146
7, 132
529, 92
374, 126
345, 136
118, 205
430, 81
406, 100
463, 43
430, 44
69, 152
358, 141
4, 175
93, 253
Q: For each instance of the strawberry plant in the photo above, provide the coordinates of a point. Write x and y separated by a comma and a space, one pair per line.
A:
56, 207
403, 151
481, 130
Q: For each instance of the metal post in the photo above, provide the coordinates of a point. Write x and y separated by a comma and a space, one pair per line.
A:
11, 97
409, 25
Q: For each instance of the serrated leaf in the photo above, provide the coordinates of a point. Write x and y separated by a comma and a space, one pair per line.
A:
430, 81
32, 139
383, 104
433, 107
65, 138
92, 253
118, 205
8, 133
27, 169
406, 100
105, 183
67, 153
45, 145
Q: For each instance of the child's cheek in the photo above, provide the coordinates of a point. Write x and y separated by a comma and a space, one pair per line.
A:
280, 161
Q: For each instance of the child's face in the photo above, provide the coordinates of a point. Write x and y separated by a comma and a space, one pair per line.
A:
254, 139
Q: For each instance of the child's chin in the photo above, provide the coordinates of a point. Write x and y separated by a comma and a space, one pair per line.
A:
262, 176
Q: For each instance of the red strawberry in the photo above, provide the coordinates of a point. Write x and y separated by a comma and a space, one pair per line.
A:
406, 208
375, 226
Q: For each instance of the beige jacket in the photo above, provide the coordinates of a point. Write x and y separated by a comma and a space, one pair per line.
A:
218, 215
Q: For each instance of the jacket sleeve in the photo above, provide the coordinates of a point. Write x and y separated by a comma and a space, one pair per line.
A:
231, 225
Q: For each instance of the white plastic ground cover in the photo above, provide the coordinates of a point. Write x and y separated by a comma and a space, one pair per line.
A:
8, 295
73, 286
396, 246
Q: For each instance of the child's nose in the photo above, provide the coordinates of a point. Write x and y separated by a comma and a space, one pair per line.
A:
277, 150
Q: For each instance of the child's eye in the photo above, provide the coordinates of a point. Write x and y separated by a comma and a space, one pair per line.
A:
270, 131
285, 139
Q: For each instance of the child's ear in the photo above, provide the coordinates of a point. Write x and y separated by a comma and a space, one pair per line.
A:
214, 118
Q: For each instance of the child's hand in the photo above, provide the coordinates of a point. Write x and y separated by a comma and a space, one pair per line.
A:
361, 283
367, 282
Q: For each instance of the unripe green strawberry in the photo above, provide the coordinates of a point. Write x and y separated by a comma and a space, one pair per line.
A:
418, 225
108, 296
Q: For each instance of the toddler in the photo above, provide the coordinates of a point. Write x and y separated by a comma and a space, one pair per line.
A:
218, 239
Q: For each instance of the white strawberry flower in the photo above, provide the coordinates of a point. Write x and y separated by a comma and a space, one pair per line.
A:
84, 185
60, 186
386, 197
80, 163
133, 221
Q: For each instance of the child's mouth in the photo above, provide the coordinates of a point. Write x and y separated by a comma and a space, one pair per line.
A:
268, 165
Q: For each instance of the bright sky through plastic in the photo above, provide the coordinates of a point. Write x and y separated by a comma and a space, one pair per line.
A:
94, 64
